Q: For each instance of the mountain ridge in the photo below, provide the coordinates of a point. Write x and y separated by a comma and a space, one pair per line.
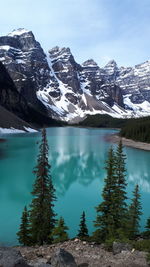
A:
63, 89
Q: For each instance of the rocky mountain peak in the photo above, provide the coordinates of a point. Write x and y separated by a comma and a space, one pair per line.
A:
111, 63
89, 63
19, 39
111, 68
57, 52
62, 59
68, 89
19, 32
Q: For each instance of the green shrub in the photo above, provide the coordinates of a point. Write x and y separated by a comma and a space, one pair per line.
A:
142, 245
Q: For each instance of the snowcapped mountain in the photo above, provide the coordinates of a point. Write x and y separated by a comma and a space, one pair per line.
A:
56, 84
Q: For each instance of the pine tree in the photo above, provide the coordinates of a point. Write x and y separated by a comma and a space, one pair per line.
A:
148, 224
83, 230
146, 234
105, 220
120, 190
59, 233
134, 213
24, 232
42, 216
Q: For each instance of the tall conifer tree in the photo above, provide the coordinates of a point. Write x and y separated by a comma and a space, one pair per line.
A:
83, 230
134, 213
120, 190
24, 231
42, 216
105, 221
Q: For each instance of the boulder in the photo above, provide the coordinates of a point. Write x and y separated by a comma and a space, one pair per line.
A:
62, 258
119, 247
10, 257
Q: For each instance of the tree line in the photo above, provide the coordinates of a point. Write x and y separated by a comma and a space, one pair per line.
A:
137, 129
116, 219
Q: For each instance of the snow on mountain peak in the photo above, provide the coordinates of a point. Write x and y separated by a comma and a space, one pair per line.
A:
18, 32
89, 63
57, 52
112, 62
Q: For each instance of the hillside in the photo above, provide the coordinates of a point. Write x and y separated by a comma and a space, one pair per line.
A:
10, 121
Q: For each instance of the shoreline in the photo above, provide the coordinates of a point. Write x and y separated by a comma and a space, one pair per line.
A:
114, 138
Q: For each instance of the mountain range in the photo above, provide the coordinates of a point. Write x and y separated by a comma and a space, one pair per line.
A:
40, 87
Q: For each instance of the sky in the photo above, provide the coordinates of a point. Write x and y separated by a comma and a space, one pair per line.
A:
98, 29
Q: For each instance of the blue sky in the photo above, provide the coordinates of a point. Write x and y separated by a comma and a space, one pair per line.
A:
98, 29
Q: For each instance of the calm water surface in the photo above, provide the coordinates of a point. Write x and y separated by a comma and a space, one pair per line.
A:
77, 157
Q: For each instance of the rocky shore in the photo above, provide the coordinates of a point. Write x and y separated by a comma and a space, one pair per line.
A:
128, 142
85, 255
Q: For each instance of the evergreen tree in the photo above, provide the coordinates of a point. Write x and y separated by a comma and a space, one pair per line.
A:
148, 224
42, 216
146, 234
83, 230
59, 233
24, 232
120, 190
134, 213
105, 220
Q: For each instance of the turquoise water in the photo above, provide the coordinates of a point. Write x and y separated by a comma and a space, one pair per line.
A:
77, 157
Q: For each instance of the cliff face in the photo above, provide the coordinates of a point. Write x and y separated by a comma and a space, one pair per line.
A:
13, 101
26, 63
59, 87
9, 96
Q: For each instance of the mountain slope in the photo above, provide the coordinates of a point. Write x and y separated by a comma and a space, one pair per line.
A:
14, 102
59, 87
9, 122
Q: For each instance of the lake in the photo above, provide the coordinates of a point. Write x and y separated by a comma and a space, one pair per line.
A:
77, 157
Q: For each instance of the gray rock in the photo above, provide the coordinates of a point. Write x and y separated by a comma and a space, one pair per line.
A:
44, 265
62, 258
119, 247
10, 257
83, 265
40, 82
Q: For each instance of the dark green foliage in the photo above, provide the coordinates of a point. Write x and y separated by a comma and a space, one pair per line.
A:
42, 216
141, 245
134, 214
120, 205
137, 129
148, 225
111, 218
83, 230
59, 233
146, 234
105, 220
24, 232
104, 121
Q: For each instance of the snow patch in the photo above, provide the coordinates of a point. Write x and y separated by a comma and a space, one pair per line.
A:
30, 130
10, 130
14, 131
18, 32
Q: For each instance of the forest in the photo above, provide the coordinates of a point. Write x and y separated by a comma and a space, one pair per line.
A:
137, 129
